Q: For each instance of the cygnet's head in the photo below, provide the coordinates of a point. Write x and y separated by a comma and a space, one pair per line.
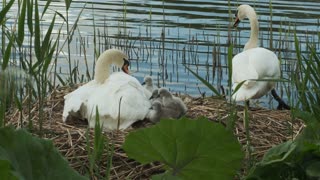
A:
244, 11
147, 80
155, 94
163, 92
108, 57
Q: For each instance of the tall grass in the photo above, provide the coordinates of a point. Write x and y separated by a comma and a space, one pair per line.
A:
96, 148
47, 42
69, 38
27, 83
307, 79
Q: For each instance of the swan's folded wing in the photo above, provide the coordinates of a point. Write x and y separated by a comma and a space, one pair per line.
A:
77, 100
242, 69
265, 63
134, 104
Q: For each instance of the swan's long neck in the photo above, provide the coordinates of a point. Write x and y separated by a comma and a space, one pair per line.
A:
102, 68
253, 41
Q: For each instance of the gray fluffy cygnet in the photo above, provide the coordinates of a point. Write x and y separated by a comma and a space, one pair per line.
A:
171, 102
148, 83
155, 96
165, 105
157, 112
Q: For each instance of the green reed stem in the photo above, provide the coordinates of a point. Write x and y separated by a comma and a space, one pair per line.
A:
3, 36
68, 2
248, 139
271, 28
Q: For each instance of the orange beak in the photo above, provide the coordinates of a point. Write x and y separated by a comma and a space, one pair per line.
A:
236, 22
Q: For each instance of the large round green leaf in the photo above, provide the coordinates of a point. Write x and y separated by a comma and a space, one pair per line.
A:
5, 171
26, 157
190, 149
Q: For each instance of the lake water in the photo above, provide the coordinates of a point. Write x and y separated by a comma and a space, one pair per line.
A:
161, 35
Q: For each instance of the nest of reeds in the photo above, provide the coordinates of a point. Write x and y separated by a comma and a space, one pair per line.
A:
267, 128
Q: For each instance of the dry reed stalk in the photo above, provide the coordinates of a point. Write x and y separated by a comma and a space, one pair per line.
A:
267, 129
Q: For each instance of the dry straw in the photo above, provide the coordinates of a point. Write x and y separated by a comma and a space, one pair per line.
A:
267, 129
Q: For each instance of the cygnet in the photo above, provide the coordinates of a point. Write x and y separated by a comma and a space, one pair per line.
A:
148, 83
155, 96
157, 112
171, 102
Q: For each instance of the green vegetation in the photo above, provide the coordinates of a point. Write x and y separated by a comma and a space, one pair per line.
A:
95, 151
189, 149
206, 83
299, 158
23, 156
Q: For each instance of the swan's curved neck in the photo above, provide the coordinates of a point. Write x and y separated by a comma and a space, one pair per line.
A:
252, 16
253, 40
102, 68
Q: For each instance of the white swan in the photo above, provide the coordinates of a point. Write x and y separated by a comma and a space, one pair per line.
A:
104, 93
253, 63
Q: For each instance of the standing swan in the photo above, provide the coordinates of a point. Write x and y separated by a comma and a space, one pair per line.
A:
254, 63
104, 93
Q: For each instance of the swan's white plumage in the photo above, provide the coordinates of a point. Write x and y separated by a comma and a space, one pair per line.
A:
253, 63
105, 96
256, 63
134, 104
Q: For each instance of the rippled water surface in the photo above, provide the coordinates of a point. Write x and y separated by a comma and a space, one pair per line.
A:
161, 36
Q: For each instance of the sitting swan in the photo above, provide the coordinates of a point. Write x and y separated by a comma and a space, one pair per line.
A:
104, 93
